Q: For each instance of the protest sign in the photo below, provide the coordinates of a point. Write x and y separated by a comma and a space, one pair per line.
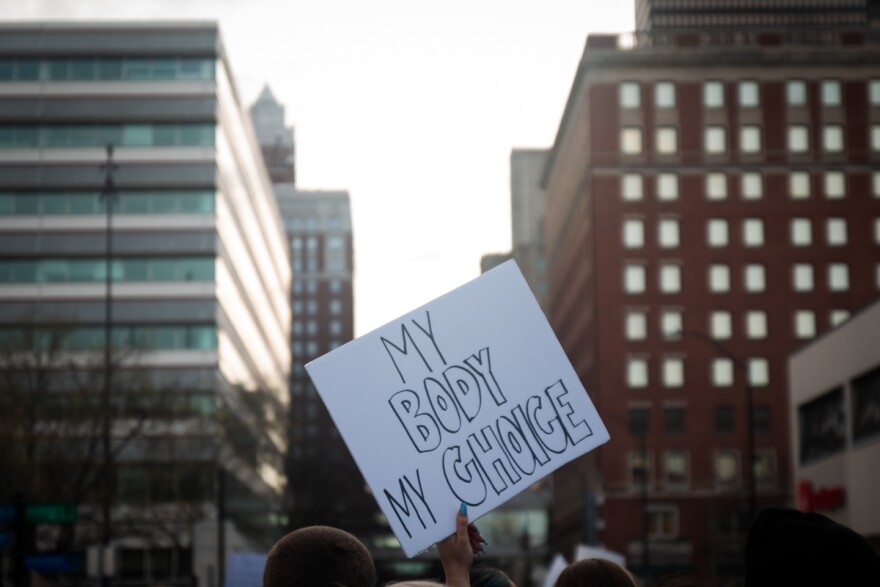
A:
469, 398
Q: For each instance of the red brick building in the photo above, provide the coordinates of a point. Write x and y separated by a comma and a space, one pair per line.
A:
713, 203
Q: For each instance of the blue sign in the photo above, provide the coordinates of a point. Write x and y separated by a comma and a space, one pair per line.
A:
53, 563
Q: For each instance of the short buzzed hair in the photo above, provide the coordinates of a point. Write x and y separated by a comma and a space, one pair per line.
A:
319, 556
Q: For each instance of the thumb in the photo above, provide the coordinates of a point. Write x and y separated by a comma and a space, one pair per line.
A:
461, 523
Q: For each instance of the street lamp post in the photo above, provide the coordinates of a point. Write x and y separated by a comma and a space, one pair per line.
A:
750, 417
108, 196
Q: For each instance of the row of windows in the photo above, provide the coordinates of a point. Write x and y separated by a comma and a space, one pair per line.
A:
748, 93
632, 185
126, 202
672, 371
750, 141
309, 349
675, 418
825, 424
179, 336
669, 277
101, 135
310, 286
752, 232
106, 69
676, 468
334, 306
310, 327
721, 323
48, 270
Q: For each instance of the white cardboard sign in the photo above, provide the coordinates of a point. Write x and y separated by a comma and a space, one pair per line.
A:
469, 398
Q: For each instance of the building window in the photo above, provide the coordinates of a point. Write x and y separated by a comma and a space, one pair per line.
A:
666, 140
838, 277
724, 423
636, 325
675, 467
639, 470
748, 94
722, 372
866, 406
631, 140
830, 92
832, 138
761, 419
639, 417
759, 372
634, 278
715, 139
667, 186
670, 277
667, 233
637, 372
796, 92
877, 230
674, 418
764, 466
633, 233
719, 278
875, 137
630, 95
874, 92
802, 277
662, 522
720, 325
838, 317
335, 327
664, 94
798, 138
673, 371
716, 186
756, 324
801, 232
822, 427
753, 232
804, 324
835, 231
726, 469
750, 139
717, 232
799, 185
755, 278
670, 323
875, 184
632, 187
835, 187
752, 186
713, 94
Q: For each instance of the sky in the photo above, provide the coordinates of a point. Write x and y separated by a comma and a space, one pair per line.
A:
412, 106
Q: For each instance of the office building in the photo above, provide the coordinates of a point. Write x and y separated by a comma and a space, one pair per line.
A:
527, 216
200, 278
834, 407
676, 15
275, 138
712, 203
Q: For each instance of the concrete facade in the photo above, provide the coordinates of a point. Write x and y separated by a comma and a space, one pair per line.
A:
834, 406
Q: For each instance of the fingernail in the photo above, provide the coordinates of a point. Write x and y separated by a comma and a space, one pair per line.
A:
463, 509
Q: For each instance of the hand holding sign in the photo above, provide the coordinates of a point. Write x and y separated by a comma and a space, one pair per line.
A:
469, 399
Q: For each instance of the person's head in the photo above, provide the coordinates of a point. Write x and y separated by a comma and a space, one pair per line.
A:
790, 547
319, 556
594, 572
489, 577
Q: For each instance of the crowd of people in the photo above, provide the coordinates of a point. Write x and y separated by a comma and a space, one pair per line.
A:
784, 547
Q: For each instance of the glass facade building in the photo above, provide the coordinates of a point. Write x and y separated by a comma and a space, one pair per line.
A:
200, 272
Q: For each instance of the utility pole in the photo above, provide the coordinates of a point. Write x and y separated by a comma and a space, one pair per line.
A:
108, 196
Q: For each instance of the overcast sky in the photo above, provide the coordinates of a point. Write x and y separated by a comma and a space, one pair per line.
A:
413, 106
